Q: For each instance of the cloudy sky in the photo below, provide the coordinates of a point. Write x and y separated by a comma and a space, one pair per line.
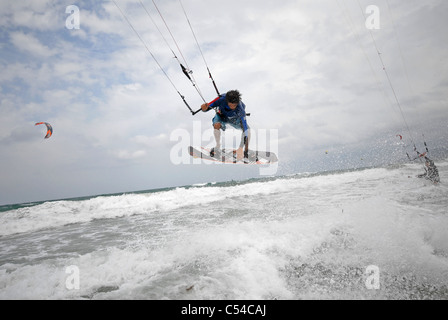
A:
308, 71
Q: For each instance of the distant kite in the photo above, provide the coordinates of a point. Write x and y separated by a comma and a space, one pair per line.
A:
401, 137
49, 129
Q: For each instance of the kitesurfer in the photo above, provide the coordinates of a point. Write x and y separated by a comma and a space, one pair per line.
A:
229, 110
431, 172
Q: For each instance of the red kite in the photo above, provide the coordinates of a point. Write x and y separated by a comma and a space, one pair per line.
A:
49, 129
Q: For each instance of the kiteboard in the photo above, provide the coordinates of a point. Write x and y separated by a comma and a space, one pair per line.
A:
255, 157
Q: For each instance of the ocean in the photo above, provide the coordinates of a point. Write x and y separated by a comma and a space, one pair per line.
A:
374, 234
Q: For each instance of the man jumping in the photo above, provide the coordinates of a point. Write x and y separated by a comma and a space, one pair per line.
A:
229, 110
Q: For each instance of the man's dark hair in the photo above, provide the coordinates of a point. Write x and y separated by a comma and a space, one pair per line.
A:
233, 96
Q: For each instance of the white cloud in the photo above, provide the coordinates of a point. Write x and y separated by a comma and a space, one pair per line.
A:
157, 141
36, 21
129, 155
30, 44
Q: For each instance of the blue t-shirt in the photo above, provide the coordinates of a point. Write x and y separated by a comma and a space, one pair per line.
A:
236, 116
